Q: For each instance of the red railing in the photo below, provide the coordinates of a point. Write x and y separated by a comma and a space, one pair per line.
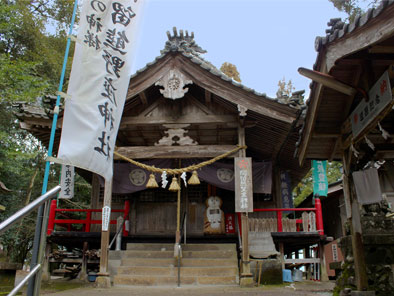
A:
52, 221
317, 209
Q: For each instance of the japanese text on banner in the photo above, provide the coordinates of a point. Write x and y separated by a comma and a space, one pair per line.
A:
320, 183
98, 84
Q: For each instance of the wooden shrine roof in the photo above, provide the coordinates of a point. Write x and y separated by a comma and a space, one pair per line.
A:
211, 107
356, 54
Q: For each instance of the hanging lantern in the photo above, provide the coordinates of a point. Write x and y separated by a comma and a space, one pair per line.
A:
174, 185
152, 182
194, 179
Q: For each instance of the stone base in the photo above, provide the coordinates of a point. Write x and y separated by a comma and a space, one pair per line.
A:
246, 281
271, 271
103, 282
362, 293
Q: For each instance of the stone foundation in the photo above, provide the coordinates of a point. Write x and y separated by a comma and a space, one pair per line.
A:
378, 240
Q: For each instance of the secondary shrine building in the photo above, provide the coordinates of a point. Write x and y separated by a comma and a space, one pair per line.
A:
180, 111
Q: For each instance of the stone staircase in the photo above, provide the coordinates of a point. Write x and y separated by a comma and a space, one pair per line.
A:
154, 264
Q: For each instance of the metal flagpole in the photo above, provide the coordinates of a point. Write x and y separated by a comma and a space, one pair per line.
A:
37, 249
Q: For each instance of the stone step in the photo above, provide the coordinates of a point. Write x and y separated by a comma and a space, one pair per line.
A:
174, 262
185, 254
143, 280
185, 271
187, 247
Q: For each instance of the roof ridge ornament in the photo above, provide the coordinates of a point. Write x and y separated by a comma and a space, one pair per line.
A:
182, 42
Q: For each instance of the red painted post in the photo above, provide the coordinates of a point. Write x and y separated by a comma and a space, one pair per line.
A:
126, 218
239, 224
88, 221
279, 220
51, 219
319, 217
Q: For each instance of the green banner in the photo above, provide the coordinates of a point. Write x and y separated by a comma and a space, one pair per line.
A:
319, 172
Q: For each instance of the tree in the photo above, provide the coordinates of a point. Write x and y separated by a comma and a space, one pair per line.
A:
353, 7
30, 64
231, 71
305, 187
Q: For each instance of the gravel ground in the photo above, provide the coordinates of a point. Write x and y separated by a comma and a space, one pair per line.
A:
302, 288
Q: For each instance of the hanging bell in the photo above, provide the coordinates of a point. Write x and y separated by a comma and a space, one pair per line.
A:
174, 185
194, 179
152, 182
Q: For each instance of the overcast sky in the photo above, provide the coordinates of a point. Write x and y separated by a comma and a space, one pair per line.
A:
266, 39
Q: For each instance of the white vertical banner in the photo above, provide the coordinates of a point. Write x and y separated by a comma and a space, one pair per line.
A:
67, 182
98, 84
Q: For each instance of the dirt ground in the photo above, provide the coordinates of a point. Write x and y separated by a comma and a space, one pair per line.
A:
307, 288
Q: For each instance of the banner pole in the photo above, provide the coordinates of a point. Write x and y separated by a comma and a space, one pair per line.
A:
38, 232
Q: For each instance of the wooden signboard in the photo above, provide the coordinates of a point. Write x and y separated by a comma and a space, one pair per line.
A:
380, 97
243, 184
106, 214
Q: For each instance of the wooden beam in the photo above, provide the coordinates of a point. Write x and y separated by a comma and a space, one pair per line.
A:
235, 94
362, 38
186, 119
302, 261
325, 135
381, 49
208, 97
310, 123
328, 81
335, 149
143, 98
197, 151
29, 122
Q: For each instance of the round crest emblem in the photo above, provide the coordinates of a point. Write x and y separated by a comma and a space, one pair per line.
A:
225, 175
137, 177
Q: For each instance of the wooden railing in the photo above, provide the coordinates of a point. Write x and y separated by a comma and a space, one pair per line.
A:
88, 221
279, 214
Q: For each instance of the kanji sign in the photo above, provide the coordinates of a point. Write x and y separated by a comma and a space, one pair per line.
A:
380, 97
67, 182
285, 189
320, 183
106, 216
243, 184
98, 83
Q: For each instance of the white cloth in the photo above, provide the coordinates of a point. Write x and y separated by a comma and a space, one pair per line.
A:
98, 84
367, 186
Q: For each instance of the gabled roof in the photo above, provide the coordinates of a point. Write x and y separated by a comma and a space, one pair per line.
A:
355, 54
275, 120
186, 46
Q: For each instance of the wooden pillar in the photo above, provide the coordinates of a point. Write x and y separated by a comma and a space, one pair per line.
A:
83, 275
246, 276
46, 272
323, 266
94, 201
355, 226
282, 255
276, 187
103, 281
307, 254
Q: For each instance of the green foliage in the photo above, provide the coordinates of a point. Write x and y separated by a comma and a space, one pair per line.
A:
30, 63
30, 58
353, 7
305, 187
231, 71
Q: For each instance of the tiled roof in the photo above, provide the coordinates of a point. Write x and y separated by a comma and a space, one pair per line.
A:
340, 29
186, 45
